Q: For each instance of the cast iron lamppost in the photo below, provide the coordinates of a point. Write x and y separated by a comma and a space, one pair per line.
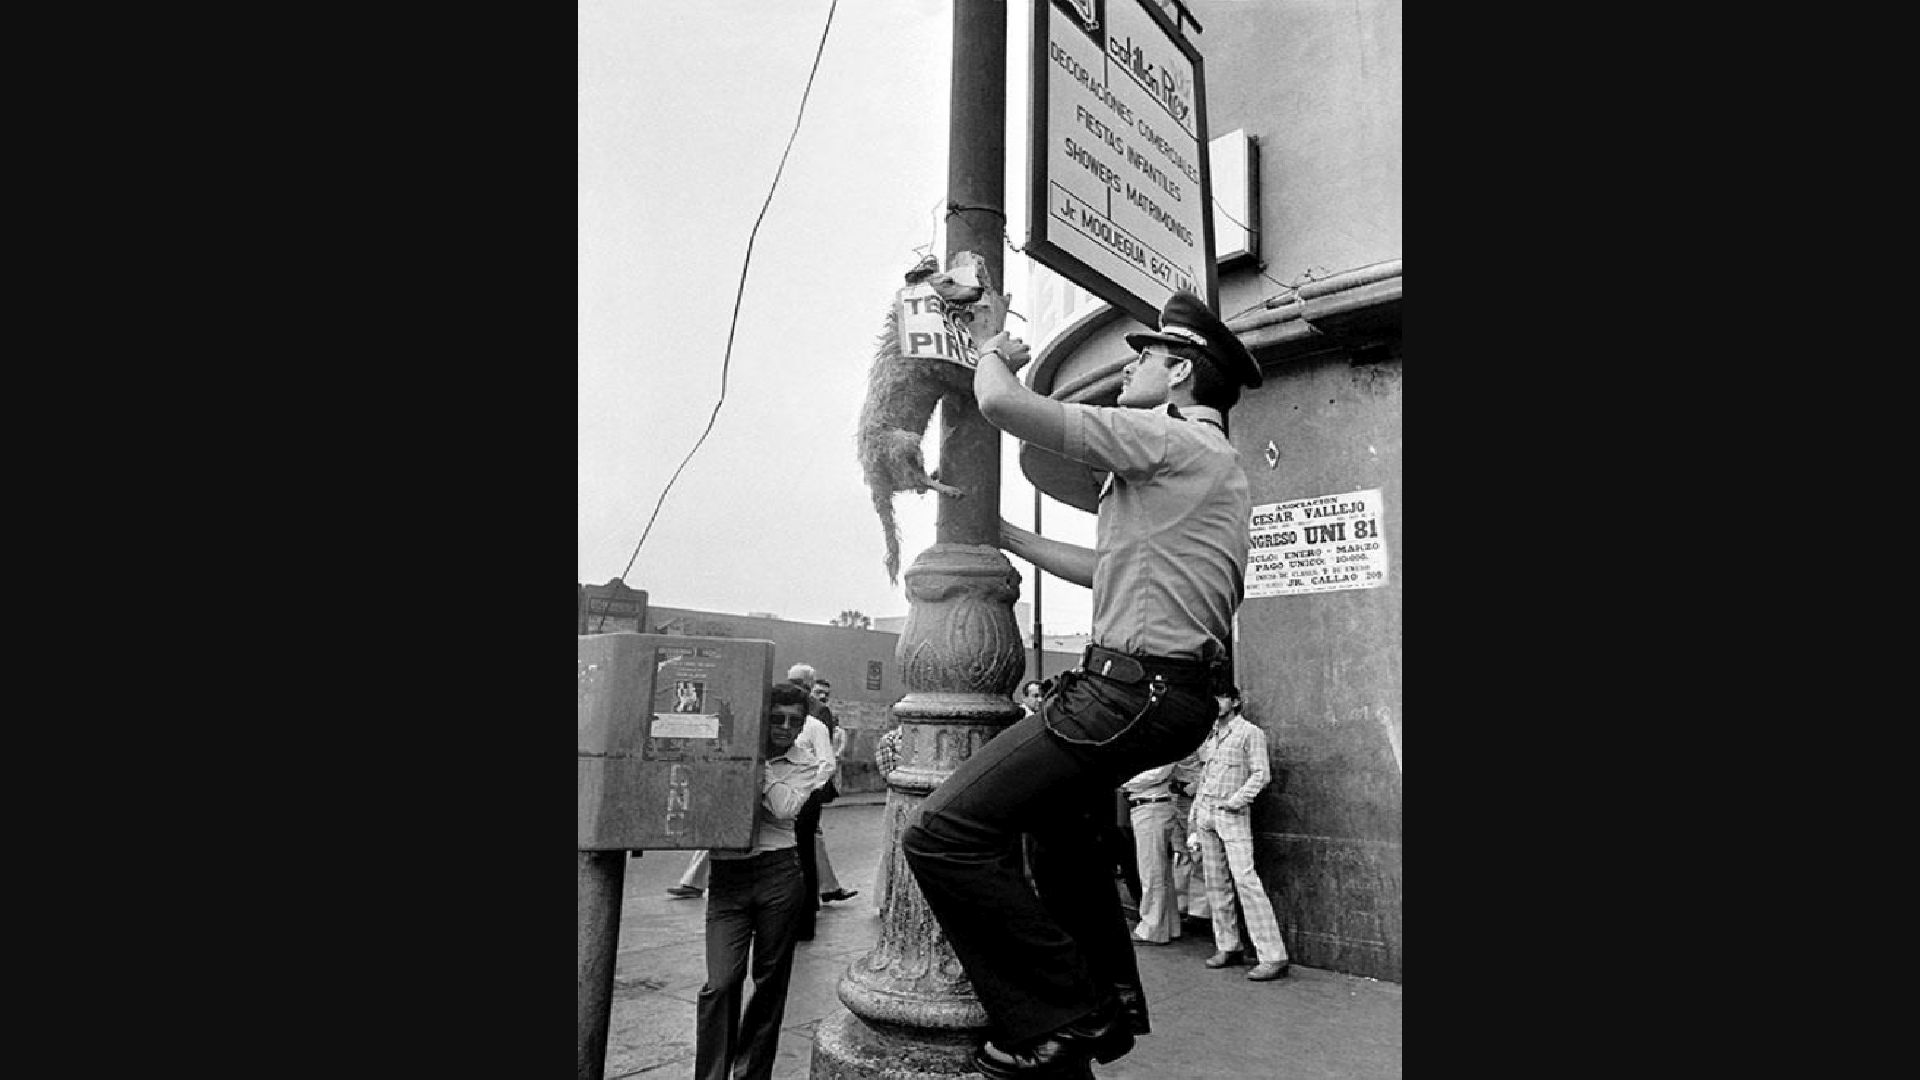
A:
911, 1011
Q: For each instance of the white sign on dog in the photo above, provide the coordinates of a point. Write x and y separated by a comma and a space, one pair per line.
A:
926, 332
1119, 199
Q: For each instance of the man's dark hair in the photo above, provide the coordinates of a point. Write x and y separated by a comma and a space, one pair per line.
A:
828, 683
786, 693
1211, 386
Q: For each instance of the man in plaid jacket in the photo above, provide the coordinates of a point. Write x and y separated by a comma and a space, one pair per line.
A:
1221, 832
886, 758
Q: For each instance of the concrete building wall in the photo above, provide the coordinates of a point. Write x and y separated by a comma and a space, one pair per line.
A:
1321, 674
1319, 85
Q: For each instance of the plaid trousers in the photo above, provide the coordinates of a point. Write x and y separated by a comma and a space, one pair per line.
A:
1226, 854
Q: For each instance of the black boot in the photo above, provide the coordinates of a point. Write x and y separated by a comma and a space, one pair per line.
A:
1101, 1035
996, 1064
1133, 1009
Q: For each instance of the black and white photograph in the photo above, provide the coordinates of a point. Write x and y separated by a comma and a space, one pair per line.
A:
990, 518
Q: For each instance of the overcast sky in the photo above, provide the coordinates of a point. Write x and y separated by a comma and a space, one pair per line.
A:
685, 107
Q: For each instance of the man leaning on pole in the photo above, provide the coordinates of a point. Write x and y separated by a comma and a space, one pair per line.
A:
1055, 972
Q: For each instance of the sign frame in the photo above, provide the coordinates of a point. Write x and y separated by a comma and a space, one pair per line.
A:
1046, 249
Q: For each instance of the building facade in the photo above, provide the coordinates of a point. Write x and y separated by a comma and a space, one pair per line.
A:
1317, 90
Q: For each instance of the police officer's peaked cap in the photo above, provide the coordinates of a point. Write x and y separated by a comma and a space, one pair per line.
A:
1186, 321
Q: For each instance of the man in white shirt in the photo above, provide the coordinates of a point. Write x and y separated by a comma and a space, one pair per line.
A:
816, 740
829, 882
815, 745
818, 747
754, 905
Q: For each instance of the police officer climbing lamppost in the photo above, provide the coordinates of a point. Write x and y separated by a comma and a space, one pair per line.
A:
1055, 972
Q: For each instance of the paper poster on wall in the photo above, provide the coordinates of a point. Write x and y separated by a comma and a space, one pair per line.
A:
1323, 544
689, 721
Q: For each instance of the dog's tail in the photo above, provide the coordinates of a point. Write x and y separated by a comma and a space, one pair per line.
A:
883, 506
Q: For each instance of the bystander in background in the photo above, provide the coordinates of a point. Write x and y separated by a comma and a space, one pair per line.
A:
1222, 833
752, 914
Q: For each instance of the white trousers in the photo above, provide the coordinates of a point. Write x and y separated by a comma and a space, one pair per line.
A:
1153, 831
829, 881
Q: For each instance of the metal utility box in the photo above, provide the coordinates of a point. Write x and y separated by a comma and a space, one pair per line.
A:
672, 741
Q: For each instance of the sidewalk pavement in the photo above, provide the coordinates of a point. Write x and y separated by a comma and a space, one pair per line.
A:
1312, 1025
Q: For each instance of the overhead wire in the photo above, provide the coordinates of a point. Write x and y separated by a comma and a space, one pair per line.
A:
1260, 268
1293, 290
726, 357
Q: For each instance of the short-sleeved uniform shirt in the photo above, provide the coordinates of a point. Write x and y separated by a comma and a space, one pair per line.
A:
1172, 529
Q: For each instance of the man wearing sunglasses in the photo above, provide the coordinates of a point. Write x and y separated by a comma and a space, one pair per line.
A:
755, 901
1056, 972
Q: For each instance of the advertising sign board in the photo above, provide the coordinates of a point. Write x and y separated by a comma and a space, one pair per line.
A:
1118, 188
1323, 544
671, 740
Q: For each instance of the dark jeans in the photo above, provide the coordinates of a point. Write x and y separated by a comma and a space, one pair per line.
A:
1039, 962
753, 906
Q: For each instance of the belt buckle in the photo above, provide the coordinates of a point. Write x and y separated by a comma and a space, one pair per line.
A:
1116, 665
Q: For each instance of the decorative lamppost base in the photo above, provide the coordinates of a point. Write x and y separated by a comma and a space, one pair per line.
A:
912, 1013
848, 1048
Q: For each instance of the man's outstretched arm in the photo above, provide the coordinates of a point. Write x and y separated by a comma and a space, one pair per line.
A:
1068, 562
1037, 419
1009, 405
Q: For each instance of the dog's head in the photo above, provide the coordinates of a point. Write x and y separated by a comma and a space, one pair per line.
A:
965, 281
923, 270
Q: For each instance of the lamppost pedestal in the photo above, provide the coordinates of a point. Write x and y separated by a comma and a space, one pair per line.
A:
911, 1012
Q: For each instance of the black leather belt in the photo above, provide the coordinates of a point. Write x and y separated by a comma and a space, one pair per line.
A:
1150, 799
1124, 668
